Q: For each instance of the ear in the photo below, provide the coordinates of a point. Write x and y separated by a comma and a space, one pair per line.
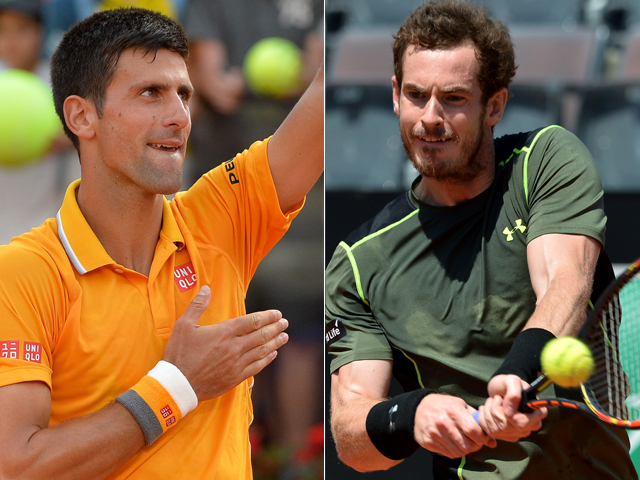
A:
396, 95
81, 116
495, 107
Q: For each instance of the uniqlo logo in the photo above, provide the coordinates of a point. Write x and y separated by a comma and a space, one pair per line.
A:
32, 352
9, 349
165, 411
185, 276
171, 421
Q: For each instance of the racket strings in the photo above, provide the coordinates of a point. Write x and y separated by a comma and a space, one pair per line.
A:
616, 350
629, 343
605, 382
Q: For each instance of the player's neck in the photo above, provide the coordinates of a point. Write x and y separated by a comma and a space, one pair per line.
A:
128, 228
447, 192
443, 193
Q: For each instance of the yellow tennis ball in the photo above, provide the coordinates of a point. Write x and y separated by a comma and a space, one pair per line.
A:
28, 120
273, 67
566, 361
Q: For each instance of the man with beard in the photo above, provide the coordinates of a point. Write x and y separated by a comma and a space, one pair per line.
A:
455, 287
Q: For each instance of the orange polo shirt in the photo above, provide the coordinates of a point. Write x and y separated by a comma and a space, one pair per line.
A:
90, 328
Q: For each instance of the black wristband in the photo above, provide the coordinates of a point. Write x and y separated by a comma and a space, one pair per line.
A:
523, 359
390, 424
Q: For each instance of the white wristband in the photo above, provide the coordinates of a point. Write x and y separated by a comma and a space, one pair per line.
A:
176, 384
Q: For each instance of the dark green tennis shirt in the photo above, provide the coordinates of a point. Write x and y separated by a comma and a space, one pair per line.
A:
443, 291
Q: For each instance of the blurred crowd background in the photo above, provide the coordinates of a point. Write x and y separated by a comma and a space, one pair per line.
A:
229, 113
579, 67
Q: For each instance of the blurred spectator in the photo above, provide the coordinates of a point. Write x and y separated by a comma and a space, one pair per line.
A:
21, 36
222, 32
288, 395
59, 15
34, 192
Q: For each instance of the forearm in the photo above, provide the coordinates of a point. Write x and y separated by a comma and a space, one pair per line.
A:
355, 388
90, 447
348, 427
313, 56
563, 309
310, 140
296, 151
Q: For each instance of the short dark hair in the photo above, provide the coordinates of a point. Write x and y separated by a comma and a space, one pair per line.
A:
86, 59
451, 23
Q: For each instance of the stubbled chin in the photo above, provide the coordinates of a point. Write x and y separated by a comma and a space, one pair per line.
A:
429, 163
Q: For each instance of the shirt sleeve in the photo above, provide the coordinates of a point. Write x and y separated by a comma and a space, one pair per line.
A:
235, 208
352, 333
28, 312
564, 189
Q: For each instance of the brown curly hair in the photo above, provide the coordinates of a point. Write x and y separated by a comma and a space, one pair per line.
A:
450, 23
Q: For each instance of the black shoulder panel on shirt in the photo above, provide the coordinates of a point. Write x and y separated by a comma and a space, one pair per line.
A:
394, 211
505, 145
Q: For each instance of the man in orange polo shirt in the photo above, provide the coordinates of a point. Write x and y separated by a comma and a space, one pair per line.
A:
125, 348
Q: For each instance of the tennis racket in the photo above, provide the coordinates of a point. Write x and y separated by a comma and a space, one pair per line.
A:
612, 333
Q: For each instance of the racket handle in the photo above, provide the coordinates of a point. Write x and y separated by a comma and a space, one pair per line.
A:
527, 395
523, 408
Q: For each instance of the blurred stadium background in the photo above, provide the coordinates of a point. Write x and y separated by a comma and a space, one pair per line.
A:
579, 67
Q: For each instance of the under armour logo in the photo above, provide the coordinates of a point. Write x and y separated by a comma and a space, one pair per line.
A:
519, 226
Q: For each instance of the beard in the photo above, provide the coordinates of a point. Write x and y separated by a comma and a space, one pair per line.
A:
430, 163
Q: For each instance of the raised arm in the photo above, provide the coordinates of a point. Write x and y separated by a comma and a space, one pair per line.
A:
296, 151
